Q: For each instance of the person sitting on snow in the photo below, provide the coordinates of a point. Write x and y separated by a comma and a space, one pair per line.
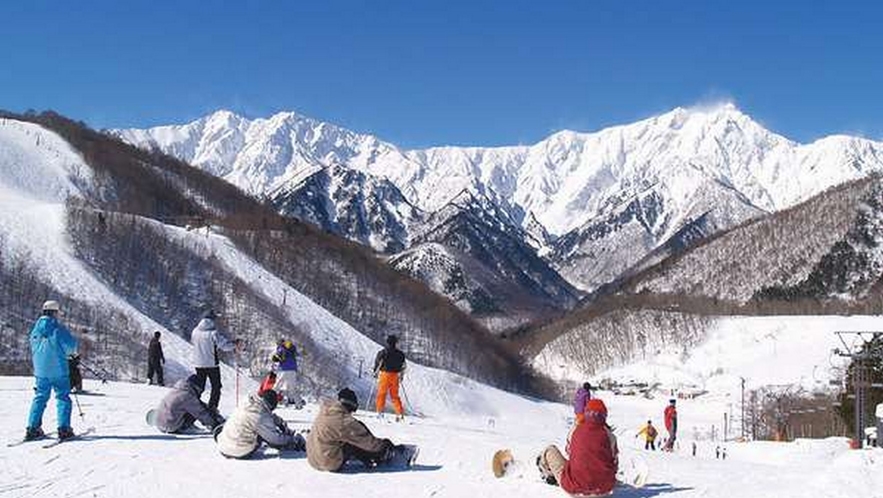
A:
337, 437
254, 423
591, 469
181, 407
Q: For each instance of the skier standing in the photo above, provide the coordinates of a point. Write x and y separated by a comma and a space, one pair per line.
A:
582, 396
51, 345
181, 407
591, 469
285, 358
253, 423
155, 360
649, 432
389, 367
337, 437
206, 342
671, 424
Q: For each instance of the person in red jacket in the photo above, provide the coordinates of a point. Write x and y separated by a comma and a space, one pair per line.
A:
671, 425
591, 469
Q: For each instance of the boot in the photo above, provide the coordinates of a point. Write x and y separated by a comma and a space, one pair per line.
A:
32, 433
65, 433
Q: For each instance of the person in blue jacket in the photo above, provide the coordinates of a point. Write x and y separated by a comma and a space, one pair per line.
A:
51, 344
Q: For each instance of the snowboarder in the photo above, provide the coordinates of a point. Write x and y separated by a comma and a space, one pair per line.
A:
73, 367
285, 358
253, 423
337, 437
582, 396
671, 424
51, 345
649, 432
591, 469
206, 342
155, 360
181, 407
389, 368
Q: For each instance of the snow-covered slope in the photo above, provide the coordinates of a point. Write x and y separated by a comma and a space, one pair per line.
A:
686, 163
38, 171
126, 458
792, 350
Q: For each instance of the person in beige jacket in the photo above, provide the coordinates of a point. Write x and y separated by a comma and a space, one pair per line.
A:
254, 423
337, 437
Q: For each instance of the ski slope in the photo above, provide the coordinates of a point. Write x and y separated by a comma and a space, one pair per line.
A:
774, 350
126, 458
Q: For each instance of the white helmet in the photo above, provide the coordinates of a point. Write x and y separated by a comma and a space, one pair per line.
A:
51, 305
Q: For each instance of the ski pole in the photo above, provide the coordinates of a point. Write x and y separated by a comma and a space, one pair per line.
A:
79, 409
408, 401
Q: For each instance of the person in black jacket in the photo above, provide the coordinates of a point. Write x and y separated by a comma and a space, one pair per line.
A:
155, 359
389, 366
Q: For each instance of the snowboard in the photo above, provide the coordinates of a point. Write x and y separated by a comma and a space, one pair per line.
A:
502, 462
150, 417
403, 456
633, 470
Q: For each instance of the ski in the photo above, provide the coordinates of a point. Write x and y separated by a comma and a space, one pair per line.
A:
23, 440
56, 442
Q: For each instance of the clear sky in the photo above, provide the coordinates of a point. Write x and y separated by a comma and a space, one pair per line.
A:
421, 73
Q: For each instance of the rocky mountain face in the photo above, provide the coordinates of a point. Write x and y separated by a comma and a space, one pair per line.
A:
471, 251
595, 204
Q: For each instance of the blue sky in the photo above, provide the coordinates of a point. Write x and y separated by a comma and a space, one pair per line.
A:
448, 72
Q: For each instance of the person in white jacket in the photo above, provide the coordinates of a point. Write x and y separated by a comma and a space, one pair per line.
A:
254, 423
207, 341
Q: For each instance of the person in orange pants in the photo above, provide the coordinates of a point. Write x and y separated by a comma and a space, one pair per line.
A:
389, 365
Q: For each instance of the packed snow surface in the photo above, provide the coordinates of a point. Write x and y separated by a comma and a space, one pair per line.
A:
126, 458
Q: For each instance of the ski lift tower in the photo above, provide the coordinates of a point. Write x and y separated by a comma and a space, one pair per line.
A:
856, 351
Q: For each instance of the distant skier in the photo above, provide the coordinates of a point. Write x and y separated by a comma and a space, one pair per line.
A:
582, 396
285, 358
671, 424
337, 437
206, 342
51, 345
155, 360
181, 407
389, 367
649, 432
591, 469
73, 367
254, 423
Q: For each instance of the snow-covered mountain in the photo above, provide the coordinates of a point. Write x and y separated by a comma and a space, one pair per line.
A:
631, 186
472, 252
352, 204
99, 225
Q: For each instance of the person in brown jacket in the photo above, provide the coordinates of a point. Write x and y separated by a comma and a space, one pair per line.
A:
337, 437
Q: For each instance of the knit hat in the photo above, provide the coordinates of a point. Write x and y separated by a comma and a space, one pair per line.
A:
596, 409
270, 398
347, 398
392, 339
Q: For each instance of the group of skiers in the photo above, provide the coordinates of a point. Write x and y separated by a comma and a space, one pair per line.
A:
336, 436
